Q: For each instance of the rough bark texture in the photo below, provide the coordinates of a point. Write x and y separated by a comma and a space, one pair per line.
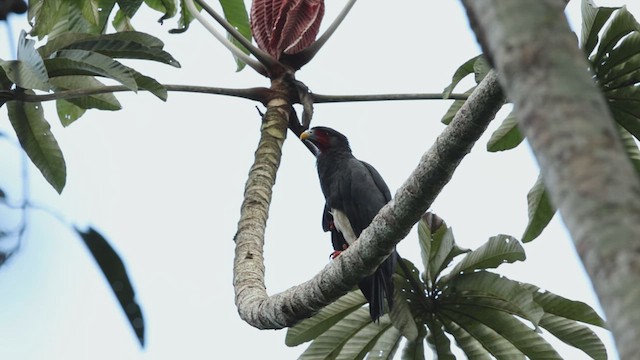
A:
248, 268
375, 243
568, 124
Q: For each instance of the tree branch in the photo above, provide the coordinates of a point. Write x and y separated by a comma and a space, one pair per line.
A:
569, 126
376, 242
256, 94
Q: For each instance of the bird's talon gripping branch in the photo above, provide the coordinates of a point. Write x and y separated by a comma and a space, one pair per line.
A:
335, 254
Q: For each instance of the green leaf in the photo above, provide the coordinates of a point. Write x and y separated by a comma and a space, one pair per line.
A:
105, 101
116, 274
28, 71
493, 342
329, 344
67, 40
465, 69
630, 147
569, 309
498, 250
185, 18
481, 68
627, 52
68, 112
469, 344
386, 346
490, 285
525, 339
443, 250
129, 7
620, 25
36, 139
311, 328
576, 335
453, 109
81, 62
507, 136
53, 18
90, 11
400, 315
23, 75
124, 49
167, 7
541, 211
121, 22
151, 85
626, 115
357, 346
593, 19
438, 341
414, 349
624, 76
236, 14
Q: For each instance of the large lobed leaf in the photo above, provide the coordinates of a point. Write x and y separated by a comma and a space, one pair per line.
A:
498, 250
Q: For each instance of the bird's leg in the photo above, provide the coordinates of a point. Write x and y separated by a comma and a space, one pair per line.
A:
336, 253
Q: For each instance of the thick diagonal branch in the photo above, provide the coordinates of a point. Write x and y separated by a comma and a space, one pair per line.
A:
375, 243
571, 131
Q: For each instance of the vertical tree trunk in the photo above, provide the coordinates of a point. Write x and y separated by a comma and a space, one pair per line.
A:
567, 122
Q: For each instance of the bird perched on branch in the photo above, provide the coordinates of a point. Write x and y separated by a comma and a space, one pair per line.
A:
354, 192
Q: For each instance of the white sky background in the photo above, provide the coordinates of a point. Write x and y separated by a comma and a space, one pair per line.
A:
164, 182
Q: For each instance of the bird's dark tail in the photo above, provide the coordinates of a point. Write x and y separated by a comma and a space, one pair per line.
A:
378, 286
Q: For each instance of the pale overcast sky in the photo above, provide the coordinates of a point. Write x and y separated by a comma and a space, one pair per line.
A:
164, 183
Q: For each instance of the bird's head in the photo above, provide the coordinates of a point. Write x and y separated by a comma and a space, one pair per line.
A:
326, 139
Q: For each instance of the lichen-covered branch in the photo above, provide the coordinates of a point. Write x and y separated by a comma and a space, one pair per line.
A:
390, 226
568, 124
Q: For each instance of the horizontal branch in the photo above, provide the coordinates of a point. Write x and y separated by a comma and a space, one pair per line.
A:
256, 94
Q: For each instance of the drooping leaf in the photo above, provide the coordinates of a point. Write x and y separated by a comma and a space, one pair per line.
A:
81, 62
38, 142
498, 250
469, 344
507, 136
541, 211
331, 342
465, 69
593, 19
569, 309
311, 328
576, 335
386, 346
68, 112
525, 339
151, 85
438, 341
115, 272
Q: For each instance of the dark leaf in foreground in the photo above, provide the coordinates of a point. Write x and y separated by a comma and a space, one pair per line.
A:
114, 270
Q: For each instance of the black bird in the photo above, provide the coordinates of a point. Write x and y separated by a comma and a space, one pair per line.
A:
354, 192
